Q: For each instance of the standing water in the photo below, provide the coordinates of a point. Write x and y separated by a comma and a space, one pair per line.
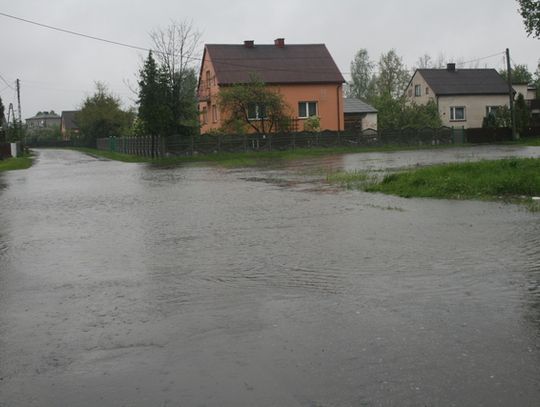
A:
130, 285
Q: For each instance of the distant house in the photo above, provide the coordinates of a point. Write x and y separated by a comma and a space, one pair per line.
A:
305, 74
68, 127
463, 96
43, 120
359, 115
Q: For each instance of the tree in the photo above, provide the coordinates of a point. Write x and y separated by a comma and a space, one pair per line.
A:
520, 74
393, 76
3, 123
154, 113
361, 84
530, 11
101, 116
253, 105
176, 53
522, 114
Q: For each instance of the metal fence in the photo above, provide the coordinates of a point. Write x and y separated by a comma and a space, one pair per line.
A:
233, 143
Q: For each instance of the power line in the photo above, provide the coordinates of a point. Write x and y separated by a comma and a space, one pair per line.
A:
481, 58
50, 27
6, 82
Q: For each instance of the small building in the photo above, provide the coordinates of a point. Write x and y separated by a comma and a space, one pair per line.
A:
359, 115
463, 96
304, 74
43, 120
68, 126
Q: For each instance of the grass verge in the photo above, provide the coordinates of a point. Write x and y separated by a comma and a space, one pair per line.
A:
18, 163
514, 180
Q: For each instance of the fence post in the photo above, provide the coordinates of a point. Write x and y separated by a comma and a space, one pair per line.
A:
270, 142
245, 142
219, 143
294, 141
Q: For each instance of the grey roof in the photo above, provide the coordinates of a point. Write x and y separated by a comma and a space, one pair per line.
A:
297, 63
44, 115
465, 81
68, 118
353, 105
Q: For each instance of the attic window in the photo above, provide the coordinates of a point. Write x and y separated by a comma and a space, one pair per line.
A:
417, 90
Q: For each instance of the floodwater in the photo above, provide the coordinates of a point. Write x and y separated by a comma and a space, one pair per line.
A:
130, 285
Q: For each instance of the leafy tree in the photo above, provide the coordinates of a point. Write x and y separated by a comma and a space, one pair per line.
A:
101, 116
522, 114
253, 105
393, 76
530, 11
397, 113
361, 84
520, 74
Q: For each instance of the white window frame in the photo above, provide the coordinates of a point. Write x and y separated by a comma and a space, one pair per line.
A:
306, 103
417, 90
453, 114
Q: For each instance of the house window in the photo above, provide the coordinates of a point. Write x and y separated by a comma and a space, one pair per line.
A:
417, 90
492, 110
208, 79
256, 112
307, 109
457, 113
205, 115
214, 113
427, 90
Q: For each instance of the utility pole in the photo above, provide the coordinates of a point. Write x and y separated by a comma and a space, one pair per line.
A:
19, 127
511, 95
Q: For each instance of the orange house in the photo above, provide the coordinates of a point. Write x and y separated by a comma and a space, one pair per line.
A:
304, 74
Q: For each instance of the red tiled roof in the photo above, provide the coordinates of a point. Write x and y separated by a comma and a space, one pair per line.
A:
297, 63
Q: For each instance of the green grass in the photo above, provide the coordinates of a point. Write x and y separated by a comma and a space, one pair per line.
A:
19, 163
509, 179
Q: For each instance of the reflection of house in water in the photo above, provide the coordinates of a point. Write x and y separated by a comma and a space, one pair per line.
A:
43, 120
68, 126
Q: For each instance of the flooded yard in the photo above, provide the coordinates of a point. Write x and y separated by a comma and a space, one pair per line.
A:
131, 285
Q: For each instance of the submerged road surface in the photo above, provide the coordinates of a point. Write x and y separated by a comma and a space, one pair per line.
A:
128, 285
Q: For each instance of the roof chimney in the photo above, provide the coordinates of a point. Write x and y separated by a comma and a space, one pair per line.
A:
451, 67
249, 43
279, 42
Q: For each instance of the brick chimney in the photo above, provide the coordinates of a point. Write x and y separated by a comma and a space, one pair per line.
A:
249, 43
279, 42
451, 67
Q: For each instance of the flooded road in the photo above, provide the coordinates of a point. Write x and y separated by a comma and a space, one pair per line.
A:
129, 285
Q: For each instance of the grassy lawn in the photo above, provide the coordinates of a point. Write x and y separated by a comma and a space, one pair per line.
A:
516, 180
19, 163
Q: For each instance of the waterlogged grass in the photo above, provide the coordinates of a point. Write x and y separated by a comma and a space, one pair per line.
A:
352, 179
19, 163
249, 159
498, 179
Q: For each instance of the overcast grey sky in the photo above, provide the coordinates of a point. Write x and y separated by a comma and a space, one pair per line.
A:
58, 70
